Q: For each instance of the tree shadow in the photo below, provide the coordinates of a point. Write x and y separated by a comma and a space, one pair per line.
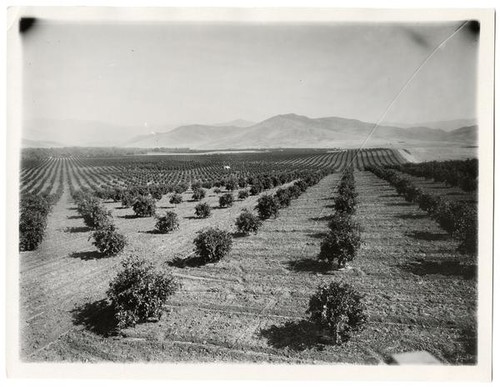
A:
411, 216
193, 261
87, 255
309, 265
129, 216
191, 217
400, 204
428, 236
317, 235
238, 234
446, 268
74, 217
322, 218
72, 208
296, 335
154, 232
77, 229
121, 208
97, 317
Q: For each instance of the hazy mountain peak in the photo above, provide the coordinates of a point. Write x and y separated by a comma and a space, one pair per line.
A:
240, 123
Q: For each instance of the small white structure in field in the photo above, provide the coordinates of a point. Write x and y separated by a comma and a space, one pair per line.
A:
227, 167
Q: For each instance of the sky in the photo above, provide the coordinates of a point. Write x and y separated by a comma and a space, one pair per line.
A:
154, 74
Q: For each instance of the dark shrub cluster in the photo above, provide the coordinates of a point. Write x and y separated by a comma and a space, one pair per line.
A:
212, 244
337, 309
34, 210
93, 212
246, 222
267, 206
144, 206
226, 200
175, 199
459, 219
108, 241
167, 223
243, 194
202, 210
345, 200
139, 292
460, 173
198, 194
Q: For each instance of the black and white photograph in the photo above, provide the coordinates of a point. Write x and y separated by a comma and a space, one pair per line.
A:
251, 187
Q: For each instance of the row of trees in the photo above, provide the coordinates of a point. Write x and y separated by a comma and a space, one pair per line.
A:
338, 308
344, 237
106, 238
34, 210
457, 173
459, 219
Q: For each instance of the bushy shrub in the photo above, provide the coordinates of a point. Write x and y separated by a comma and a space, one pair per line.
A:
212, 245
34, 210
167, 223
267, 206
32, 225
345, 204
175, 199
294, 191
144, 206
341, 246
247, 222
428, 203
97, 217
196, 185
412, 194
207, 184
256, 188
139, 292
340, 222
86, 202
283, 197
198, 194
180, 188
242, 182
156, 193
302, 185
231, 184
226, 200
127, 199
338, 309
108, 241
202, 210
243, 194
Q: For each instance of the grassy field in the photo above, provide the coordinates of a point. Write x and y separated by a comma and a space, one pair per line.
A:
250, 307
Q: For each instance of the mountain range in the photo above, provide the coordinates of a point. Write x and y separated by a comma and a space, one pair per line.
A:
281, 131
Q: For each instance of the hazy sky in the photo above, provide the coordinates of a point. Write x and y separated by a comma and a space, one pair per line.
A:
207, 73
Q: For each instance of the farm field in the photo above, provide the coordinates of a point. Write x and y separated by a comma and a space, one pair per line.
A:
250, 306
46, 175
